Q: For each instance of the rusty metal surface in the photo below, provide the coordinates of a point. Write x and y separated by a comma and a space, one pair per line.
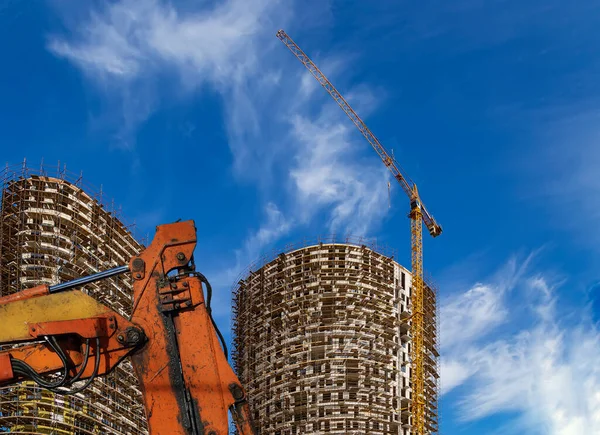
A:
182, 370
187, 383
70, 317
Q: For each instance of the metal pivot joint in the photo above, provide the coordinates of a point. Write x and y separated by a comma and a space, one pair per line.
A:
183, 368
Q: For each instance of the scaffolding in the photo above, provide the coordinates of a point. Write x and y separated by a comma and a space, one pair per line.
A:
322, 342
54, 228
431, 355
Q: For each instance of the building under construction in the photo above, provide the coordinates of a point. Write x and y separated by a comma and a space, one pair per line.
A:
55, 229
322, 342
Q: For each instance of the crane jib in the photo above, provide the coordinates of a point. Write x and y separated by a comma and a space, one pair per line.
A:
405, 181
424, 414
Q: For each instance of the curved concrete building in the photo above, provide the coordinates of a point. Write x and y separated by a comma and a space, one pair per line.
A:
322, 343
53, 230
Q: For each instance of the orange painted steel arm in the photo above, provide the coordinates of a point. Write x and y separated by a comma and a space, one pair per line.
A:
40, 357
90, 327
40, 290
44, 360
188, 385
6, 370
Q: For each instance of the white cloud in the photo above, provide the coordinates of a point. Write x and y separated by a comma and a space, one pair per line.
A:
567, 182
293, 142
471, 315
101, 59
558, 173
328, 173
274, 226
129, 39
454, 373
546, 371
127, 47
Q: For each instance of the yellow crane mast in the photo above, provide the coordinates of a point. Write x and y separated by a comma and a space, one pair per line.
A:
418, 213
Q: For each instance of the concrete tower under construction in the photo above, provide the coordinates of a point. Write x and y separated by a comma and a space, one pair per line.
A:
322, 342
55, 229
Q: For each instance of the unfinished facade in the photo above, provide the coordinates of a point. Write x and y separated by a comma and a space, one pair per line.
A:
322, 342
53, 229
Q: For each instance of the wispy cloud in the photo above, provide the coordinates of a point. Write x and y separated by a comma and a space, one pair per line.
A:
544, 369
475, 24
563, 183
477, 311
132, 45
131, 39
274, 226
293, 142
327, 173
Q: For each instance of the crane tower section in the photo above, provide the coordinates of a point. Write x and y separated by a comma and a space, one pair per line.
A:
424, 414
321, 337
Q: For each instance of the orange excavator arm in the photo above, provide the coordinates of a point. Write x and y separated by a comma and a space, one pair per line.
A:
187, 384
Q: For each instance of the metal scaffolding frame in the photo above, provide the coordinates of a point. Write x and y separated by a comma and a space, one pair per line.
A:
322, 342
54, 228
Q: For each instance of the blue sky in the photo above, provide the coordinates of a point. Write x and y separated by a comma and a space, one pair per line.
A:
195, 110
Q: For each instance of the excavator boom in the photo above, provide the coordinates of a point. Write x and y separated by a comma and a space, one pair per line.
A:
187, 384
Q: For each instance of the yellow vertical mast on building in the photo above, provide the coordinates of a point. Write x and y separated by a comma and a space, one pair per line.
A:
418, 213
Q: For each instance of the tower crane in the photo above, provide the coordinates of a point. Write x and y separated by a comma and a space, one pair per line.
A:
418, 213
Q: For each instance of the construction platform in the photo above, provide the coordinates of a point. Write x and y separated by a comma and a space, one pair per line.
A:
322, 342
54, 228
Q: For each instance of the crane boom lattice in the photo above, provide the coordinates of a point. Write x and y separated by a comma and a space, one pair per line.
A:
405, 182
418, 214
